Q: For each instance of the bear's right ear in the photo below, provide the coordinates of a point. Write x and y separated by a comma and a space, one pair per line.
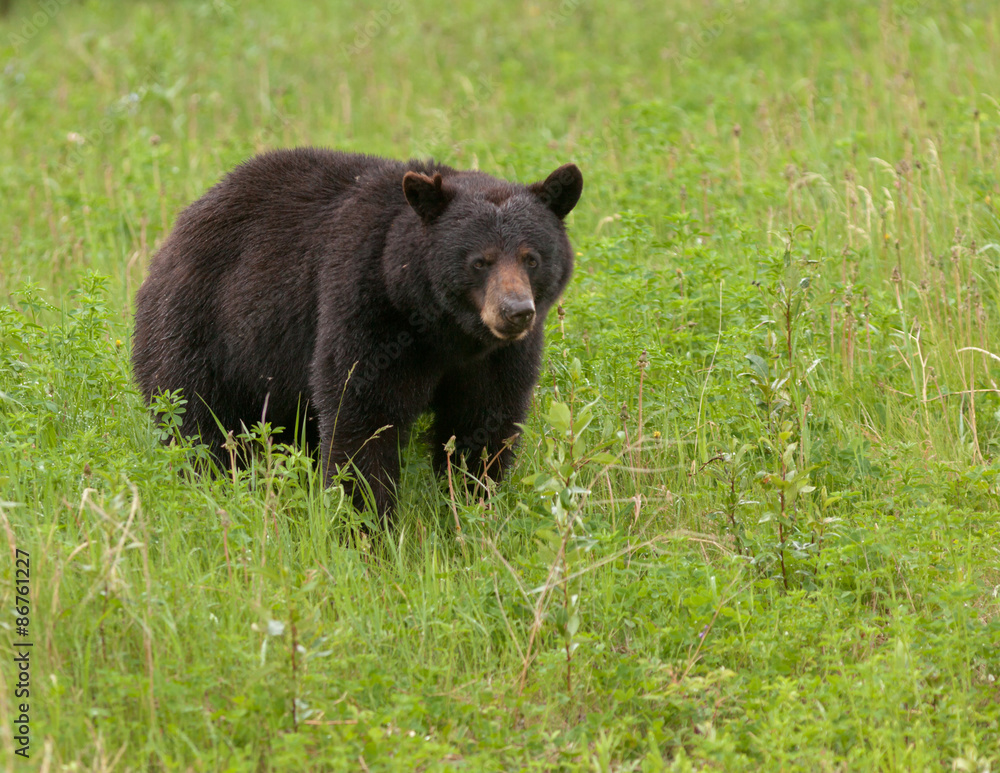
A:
426, 195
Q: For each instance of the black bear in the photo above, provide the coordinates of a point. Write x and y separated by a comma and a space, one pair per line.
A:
353, 293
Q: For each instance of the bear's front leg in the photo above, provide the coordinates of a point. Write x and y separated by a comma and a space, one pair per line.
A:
365, 405
374, 451
482, 406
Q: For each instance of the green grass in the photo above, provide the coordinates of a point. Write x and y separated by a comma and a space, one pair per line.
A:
791, 562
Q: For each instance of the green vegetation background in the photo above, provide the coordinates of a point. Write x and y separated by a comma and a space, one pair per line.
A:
771, 541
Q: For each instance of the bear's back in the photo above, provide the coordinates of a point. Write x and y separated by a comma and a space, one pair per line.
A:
279, 189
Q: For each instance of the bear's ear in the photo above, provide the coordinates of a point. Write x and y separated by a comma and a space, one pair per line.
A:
561, 189
426, 195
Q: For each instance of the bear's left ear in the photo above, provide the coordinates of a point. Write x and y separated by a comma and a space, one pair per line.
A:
561, 189
427, 195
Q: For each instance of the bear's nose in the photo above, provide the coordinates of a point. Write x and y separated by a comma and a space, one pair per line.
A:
519, 312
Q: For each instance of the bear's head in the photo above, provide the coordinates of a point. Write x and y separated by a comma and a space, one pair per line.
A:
498, 253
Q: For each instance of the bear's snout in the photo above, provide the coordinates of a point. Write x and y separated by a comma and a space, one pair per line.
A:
508, 308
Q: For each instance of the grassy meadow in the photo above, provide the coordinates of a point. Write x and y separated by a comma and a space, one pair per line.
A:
754, 520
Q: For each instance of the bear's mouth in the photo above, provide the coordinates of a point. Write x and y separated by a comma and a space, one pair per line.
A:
507, 334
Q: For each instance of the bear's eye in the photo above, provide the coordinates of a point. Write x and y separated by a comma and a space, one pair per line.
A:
531, 260
479, 263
